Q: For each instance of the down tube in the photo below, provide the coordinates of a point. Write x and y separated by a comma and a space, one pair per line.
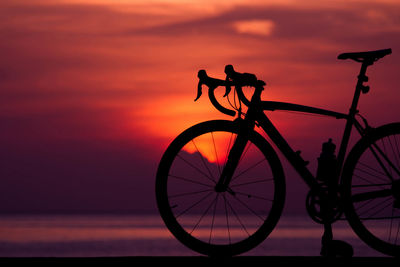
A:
294, 158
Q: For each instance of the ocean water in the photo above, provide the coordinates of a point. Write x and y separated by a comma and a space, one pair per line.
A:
146, 235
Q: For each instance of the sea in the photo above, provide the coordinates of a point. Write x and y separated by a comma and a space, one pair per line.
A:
146, 235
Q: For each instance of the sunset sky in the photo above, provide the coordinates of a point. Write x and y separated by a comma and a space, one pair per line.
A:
93, 91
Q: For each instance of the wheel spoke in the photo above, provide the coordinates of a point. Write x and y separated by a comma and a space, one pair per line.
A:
248, 169
194, 205
216, 154
380, 218
237, 218
397, 233
250, 195
372, 175
227, 219
391, 224
370, 185
365, 179
189, 180
366, 203
248, 145
189, 193
228, 148
248, 208
194, 167
252, 182
397, 150
383, 155
371, 195
202, 216
394, 151
202, 160
378, 207
377, 172
213, 218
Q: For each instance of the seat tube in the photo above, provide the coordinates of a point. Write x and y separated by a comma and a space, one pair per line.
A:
352, 113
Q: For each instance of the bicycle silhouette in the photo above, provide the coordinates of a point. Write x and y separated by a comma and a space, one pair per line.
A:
220, 185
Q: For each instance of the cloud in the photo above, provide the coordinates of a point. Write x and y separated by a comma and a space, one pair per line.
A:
258, 27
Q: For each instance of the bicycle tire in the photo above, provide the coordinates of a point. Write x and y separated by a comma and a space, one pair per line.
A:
191, 229
370, 196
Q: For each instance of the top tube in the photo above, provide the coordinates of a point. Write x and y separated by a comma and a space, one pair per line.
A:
274, 105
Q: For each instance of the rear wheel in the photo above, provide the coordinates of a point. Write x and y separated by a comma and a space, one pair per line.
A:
219, 223
371, 189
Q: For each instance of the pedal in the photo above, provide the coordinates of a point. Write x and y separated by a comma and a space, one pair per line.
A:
337, 249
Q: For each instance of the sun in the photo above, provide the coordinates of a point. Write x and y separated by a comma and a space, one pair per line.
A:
213, 146
205, 149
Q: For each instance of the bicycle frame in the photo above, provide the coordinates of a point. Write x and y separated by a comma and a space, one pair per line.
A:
294, 157
256, 113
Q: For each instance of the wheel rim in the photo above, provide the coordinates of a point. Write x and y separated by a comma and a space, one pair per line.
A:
223, 222
374, 194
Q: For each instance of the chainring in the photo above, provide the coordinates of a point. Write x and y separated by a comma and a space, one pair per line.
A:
313, 205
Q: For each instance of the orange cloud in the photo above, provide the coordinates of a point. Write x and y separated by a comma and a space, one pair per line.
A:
257, 27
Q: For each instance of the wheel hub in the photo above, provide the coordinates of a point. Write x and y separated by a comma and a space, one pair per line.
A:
219, 188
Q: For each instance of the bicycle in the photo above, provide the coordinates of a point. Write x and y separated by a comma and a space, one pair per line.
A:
220, 185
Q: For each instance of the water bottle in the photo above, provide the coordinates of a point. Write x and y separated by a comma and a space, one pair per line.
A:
327, 163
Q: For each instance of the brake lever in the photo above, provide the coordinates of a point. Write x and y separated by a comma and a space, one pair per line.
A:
228, 87
199, 92
201, 75
212, 83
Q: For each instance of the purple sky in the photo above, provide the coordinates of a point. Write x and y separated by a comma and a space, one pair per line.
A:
91, 93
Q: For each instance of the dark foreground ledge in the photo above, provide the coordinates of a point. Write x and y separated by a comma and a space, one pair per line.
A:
244, 261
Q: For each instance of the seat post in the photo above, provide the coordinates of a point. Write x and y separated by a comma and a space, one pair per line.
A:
361, 78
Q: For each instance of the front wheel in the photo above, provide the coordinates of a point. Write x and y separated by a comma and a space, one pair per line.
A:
371, 189
208, 221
